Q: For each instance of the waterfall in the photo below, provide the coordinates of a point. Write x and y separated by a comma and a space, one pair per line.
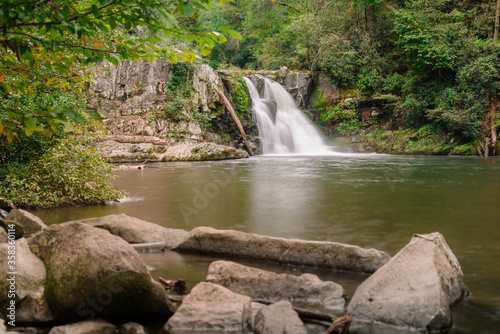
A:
283, 128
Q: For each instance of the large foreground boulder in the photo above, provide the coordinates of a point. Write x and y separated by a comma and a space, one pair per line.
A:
135, 230
211, 307
269, 286
27, 220
278, 318
320, 254
91, 272
415, 288
29, 284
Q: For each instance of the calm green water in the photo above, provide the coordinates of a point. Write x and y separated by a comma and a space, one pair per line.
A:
374, 201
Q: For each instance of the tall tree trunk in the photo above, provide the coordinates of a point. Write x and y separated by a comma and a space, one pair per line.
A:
497, 23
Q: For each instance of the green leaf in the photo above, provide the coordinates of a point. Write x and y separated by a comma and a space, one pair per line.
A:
95, 10
234, 34
113, 60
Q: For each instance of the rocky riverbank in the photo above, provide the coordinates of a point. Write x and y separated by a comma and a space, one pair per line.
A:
88, 272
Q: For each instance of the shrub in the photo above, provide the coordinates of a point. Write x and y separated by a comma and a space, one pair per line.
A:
69, 173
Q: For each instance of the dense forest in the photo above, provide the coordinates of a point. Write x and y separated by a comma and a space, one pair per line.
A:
435, 64
436, 61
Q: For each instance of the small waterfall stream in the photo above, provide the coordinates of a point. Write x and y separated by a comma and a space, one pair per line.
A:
283, 128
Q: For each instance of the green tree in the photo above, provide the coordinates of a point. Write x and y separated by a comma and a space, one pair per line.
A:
53, 43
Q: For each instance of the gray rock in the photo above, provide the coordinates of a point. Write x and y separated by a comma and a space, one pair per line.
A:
11, 226
320, 254
3, 235
92, 272
415, 288
3, 214
269, 286
211, 307
29, 282
254, 310
329, 92
27, 220
97, 326
135, 230
132, 328
278, 318
202, 152
186, 151
204, 78
132, 87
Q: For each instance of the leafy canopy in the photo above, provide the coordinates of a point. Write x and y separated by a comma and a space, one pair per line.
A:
53, 43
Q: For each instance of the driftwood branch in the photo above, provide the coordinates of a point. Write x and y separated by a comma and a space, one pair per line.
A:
340, 325
235, 118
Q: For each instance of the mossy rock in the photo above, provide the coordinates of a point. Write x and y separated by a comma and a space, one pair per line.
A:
93, 273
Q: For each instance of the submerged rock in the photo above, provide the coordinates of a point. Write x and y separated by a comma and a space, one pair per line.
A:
211, 307
269, 286
320, 254
278, 318
135, 230
97, 326
29, 284
92, 272
415, 288
27, 220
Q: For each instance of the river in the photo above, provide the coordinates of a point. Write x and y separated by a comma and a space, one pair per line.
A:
369, 200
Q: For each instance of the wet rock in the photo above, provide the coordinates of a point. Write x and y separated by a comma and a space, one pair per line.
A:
97, 326
135, 230
278, 318
92, 272
320, 254
6, 205
27, 220
415, 288
132, 328
211, 307
29, 282
269, 286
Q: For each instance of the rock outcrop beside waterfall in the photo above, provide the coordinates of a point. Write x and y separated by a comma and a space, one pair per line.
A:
134, 95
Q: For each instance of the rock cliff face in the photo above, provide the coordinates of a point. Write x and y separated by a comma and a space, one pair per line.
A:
141, 126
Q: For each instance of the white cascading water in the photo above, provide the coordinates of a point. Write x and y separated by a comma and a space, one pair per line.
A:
283, 128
